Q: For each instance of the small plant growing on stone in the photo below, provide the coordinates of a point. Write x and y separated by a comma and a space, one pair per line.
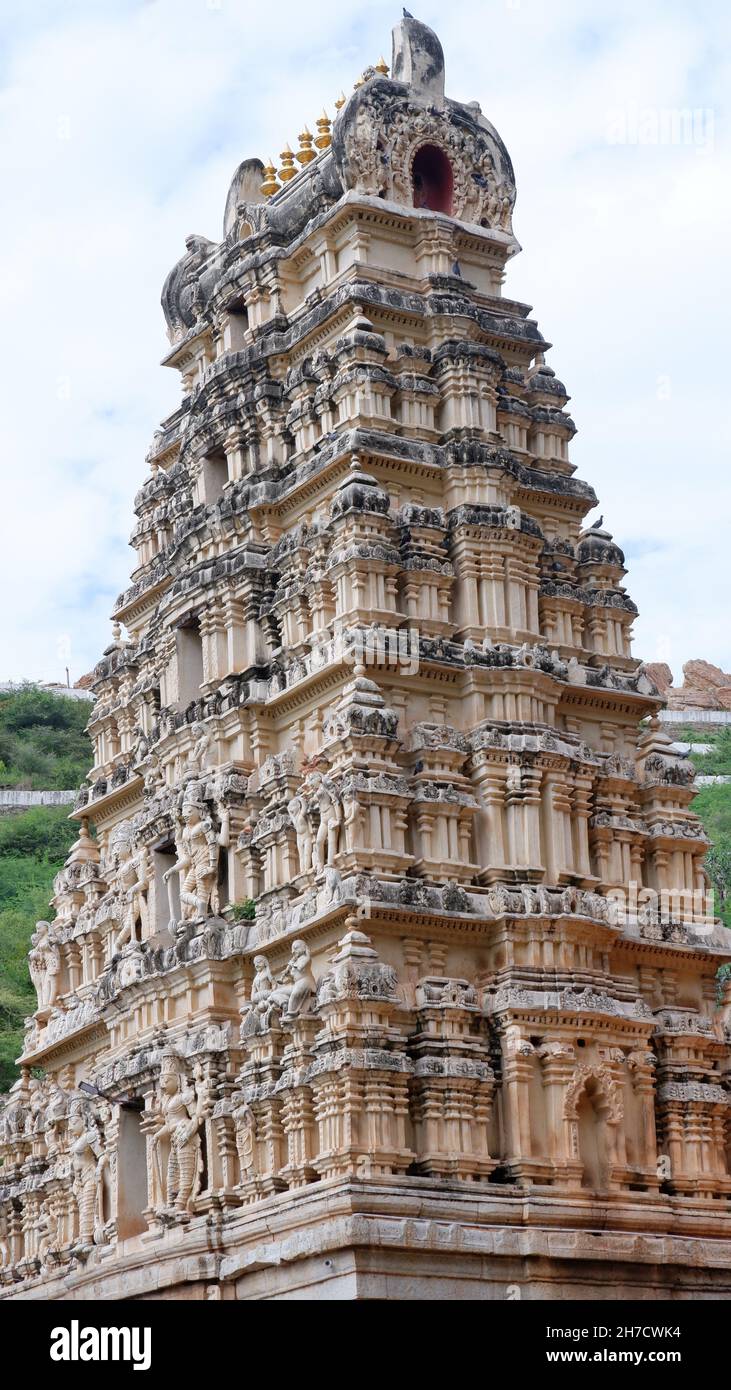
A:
245, 911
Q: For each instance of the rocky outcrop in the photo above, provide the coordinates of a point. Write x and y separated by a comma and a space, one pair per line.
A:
661, 676
705, 686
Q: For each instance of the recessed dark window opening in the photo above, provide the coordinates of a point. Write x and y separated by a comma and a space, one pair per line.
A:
432, 179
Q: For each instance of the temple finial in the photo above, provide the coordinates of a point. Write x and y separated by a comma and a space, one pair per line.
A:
305, 153
323, 138
270, 185
288, 169
418, 58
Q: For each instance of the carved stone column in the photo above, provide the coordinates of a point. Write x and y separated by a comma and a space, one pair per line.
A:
517, 1072
295, 1093
641, 1067
558, 1061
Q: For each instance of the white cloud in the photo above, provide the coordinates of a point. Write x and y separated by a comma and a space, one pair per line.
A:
120, 127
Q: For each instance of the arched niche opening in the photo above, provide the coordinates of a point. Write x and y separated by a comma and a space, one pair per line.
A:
432, 179
594, 1144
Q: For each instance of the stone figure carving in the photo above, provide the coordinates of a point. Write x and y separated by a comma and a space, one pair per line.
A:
153, 772
197, 844
44, 963
297, 811
287, 995
132, 880
31, 1036
245, 1135
261, 989
86, 1148
198, 757
333, 891
56, 1106
14, 1111
37, 1117
49, 1235
329, 806
575, 671
318, 800
142, 746
131, 965
176, 1143
296, 984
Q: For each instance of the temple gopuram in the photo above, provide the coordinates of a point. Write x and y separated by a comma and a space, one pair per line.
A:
383, 964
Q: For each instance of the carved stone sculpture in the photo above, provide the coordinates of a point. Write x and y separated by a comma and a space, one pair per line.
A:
86, 1156
300, 820
176, 1141
44, 962
197, 844
330, 811
297, 981
132, 882
198, 757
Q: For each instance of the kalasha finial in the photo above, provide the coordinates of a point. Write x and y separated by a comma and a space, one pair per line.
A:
382, 67
288, 169
84, 850
358, 83
323, 138
340, 101
306, 152
270, 185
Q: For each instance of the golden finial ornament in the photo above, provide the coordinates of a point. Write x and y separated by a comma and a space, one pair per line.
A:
288, 169
340, 101
322, 139
382, 67
305, 152
358, 83
270, 185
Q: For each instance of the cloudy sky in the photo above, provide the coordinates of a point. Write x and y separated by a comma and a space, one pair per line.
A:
121, 122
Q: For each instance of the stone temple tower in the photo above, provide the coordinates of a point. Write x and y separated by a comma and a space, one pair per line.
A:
389, 967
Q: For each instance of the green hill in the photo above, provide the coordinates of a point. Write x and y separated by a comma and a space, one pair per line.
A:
42, 746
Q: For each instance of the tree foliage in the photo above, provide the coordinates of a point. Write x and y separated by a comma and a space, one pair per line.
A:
718, 761
718, 863
33, 847
17, 996
25, 888
44, 832
713, 805
43, 745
